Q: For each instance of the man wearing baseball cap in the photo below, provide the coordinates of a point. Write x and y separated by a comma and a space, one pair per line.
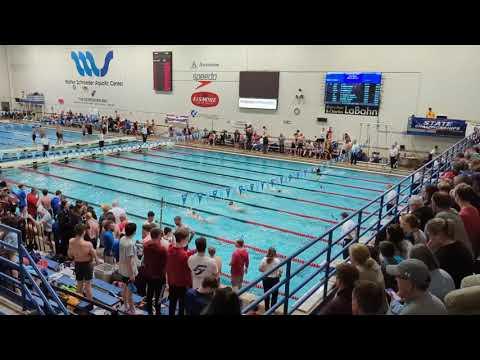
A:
413, 280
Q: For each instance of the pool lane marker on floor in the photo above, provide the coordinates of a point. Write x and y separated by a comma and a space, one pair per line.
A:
192, 192
218, 238
276, 228
262, 172
272, 166
240, 177
220, 185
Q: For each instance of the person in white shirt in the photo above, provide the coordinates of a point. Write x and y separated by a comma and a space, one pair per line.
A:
144, 133
268, 263
117, 211
393, 156
390, 198
201, 264
349, 230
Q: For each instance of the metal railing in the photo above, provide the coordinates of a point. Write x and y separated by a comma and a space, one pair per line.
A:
370, 220
28, 284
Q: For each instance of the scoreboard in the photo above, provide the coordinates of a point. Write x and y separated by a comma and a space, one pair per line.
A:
353, 89
162, 71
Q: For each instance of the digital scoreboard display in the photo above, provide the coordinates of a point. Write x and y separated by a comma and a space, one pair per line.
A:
361, 89
162, 71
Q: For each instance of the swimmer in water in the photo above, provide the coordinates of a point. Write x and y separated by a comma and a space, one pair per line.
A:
318, 171
196, 216
235, 207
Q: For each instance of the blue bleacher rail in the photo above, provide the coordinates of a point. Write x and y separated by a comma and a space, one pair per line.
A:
26, 283
412, 184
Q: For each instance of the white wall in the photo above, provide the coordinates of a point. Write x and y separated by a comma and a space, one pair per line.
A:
4, 80
415, 77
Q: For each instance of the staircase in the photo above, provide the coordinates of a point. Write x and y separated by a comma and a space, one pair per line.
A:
29, 290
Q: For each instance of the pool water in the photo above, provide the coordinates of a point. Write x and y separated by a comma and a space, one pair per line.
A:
20, 135
304, 208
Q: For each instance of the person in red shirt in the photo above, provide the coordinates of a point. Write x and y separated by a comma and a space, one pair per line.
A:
178, 273
154, 262
32, 203
239, 264
464, 196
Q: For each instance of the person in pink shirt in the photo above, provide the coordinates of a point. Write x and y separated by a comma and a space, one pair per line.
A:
464, 196
121, 225
239, 264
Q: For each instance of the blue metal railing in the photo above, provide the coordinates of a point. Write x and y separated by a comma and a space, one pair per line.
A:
368, 225
28, 286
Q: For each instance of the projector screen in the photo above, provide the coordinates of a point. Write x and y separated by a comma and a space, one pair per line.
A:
258, 90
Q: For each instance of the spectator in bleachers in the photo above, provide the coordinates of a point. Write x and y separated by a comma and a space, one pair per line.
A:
396, 236
411, 227
428, 192
413, 280
452, 255
441, 206
464, 197
422, 213
346, 276
441, 282
388, 257
197, 300
367, 267
368, 298
224, 302
348, 229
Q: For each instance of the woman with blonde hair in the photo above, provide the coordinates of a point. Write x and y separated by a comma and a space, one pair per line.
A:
367, 267
453, 256
269, 262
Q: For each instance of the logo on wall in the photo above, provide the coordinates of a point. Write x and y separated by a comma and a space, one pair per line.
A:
205, 99
86, 66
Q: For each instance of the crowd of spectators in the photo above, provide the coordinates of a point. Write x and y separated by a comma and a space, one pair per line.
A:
422, 256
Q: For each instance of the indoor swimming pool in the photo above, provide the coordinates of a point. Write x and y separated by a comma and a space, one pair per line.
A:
280, 204
20, 135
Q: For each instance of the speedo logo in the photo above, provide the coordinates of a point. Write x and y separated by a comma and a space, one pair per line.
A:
86, 66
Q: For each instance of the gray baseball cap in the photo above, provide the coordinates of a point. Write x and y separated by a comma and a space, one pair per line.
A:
411, 269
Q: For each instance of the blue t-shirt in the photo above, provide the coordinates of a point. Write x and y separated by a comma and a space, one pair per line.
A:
22, 197
111, 245
55, 204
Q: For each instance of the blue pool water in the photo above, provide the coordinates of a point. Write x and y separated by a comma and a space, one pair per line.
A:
287, 220
20, 135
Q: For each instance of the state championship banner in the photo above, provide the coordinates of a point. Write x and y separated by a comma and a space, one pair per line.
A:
176, 119
436, 127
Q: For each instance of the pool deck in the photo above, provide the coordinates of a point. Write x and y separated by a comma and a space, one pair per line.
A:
362, 166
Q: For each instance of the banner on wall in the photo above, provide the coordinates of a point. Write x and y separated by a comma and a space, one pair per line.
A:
361, 110
436, 127
176, 119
